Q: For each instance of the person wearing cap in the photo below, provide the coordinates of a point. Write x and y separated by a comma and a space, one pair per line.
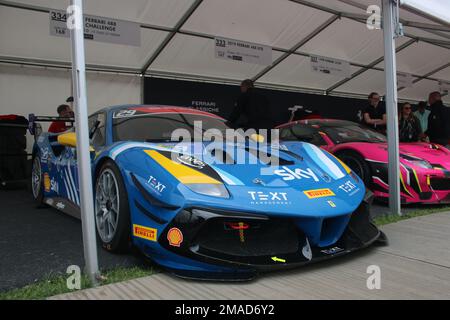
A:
69, 101
64, 111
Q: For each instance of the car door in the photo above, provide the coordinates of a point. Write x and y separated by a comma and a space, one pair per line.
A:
68, 163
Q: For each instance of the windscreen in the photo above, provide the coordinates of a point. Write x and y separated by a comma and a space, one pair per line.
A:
159, 127
352, 133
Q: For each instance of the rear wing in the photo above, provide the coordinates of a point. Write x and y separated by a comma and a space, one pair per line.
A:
35, 128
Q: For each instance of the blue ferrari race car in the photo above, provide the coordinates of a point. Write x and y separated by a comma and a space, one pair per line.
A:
205, 209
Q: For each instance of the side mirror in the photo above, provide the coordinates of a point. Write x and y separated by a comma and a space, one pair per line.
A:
257, 138
69, 139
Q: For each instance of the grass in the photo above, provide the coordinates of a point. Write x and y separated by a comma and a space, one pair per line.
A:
54, 285
386, 219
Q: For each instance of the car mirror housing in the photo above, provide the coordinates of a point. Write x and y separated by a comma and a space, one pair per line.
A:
69, 139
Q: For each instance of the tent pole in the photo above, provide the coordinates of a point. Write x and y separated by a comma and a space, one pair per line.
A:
142, 88
389, 33
82, 131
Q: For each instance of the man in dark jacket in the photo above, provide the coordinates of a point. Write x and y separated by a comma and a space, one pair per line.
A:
252, 110
374, 115
437, 123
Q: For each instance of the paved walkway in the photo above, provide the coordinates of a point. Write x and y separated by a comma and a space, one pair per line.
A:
416, 265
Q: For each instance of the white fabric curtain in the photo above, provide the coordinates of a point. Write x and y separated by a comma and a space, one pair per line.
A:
25, 90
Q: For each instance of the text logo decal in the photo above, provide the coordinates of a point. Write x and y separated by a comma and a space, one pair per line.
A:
191, 161
175, 237
47, 183
349, 188
331, 251
297, 173
144, 232
319, 193
269, 197
155, 184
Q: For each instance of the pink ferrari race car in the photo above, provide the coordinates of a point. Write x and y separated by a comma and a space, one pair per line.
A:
424, 167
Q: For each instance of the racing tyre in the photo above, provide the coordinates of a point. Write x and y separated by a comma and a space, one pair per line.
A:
357, 163
37, 184
112, 213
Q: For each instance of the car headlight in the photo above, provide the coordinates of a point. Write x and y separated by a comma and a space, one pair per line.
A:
209, 189
421, 164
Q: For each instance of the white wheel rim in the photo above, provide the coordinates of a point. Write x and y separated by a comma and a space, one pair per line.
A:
107, 205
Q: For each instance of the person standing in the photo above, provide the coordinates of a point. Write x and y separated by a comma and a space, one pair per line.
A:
422, 114
437, 124
409, 125
374, 115
252, 110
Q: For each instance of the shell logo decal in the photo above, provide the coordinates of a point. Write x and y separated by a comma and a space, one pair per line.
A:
175, 237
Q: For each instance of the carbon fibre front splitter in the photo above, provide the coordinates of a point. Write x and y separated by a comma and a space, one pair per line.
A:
360, 233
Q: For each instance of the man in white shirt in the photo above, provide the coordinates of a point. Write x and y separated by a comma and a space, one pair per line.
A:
422, 114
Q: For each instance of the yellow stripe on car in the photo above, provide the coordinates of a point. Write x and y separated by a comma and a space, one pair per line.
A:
404, 185
417, 179
183, 173
346, 168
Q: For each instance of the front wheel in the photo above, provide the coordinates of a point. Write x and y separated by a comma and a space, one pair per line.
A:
357, 163
36, 181
112, 213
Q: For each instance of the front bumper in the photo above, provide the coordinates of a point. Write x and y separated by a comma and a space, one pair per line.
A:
430, 186
250, 244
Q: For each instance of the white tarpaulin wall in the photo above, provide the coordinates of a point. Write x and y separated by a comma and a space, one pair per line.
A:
177, 40
40, 91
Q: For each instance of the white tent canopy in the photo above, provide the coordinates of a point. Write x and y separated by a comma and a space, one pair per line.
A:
177, 41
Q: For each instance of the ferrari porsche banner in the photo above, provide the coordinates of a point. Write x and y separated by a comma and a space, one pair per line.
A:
330, 66
98, 29
235, 50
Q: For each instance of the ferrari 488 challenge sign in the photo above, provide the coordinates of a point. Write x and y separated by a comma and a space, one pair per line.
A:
241, 51
98, 29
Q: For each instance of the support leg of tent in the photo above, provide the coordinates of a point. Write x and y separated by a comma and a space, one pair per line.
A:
391, 105
142, 87
83, 152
